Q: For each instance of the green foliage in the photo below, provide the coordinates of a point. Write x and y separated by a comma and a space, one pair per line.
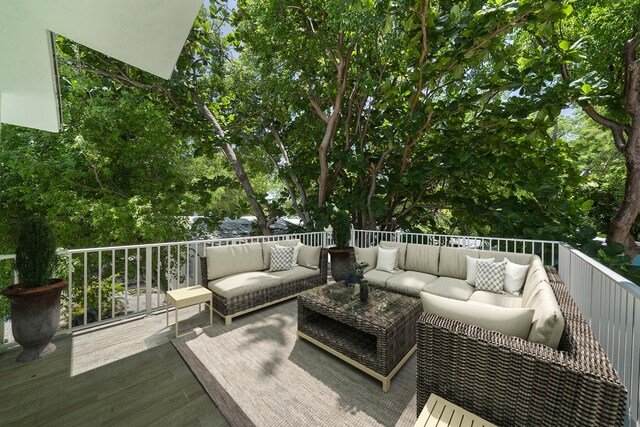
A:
612, 255
35, 252
341, 224
99, 298
601, 165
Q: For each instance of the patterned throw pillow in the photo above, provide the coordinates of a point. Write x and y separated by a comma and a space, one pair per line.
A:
281, 258
490, 276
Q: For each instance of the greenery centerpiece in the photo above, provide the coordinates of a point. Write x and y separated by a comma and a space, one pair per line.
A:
341, 252
35, 300
355, 275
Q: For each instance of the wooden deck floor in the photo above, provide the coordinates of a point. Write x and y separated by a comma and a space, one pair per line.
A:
126, 374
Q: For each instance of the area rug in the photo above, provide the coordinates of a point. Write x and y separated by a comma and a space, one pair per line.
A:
258, 374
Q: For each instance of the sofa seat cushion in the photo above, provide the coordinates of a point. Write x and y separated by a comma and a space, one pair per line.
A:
296, 273
409, 282
223, 261
449, 287
509, 321
548, 321
244, 283
379, 278
422, 258
500, 300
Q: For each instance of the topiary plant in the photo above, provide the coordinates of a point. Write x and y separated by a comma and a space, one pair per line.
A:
341, 224
35, 252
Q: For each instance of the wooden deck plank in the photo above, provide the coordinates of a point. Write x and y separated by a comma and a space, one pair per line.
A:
126, 374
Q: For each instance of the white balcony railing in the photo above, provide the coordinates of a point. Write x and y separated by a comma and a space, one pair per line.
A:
116, 282
132, 281
611, 305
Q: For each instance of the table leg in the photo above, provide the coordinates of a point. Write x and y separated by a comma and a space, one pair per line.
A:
167, 312
211, 311
176, 322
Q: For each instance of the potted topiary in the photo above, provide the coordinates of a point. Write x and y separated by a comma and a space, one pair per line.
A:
341, 252
35, 300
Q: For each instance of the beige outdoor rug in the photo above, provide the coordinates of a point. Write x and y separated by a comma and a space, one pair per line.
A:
257, 373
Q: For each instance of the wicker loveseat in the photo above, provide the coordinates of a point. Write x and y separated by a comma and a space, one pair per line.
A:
241, 281
512, 382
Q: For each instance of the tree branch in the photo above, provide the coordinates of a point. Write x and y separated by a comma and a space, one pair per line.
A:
317, 109
616, 128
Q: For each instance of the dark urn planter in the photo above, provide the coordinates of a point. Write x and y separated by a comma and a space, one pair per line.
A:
340, 262
35, 316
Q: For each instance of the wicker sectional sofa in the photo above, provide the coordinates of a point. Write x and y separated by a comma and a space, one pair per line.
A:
558, 375
241, 281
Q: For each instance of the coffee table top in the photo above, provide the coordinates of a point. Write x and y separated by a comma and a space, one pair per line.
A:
382, 308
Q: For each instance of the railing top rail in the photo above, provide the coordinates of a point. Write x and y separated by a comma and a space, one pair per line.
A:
189, 242
456, 236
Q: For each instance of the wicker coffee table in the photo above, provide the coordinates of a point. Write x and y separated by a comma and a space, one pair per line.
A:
377, 336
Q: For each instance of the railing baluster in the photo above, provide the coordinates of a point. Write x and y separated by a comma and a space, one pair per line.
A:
70, 296
113, 284
99, 286
126, 281
148, 268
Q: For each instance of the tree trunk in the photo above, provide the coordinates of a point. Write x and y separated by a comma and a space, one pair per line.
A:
625, 217
229, 152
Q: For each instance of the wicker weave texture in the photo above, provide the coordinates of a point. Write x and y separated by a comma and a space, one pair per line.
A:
377, 333
512, 382
230, 306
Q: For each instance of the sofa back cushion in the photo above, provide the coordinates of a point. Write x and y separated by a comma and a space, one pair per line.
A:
368, 255
548, 321
402, 252
518, 258
453, 261
266, 250
422, 258
535, 276
233, 259
309, 256
515, 322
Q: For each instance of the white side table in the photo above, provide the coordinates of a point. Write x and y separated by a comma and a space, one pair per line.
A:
185, 297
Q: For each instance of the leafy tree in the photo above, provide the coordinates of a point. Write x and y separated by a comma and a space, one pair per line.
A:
606, 86
196, 93
118, 174
600, 163
377, 93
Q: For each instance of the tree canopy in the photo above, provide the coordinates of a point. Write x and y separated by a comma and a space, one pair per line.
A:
429, 116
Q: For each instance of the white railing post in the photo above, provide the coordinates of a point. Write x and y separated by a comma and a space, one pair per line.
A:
148, 276
69, 297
